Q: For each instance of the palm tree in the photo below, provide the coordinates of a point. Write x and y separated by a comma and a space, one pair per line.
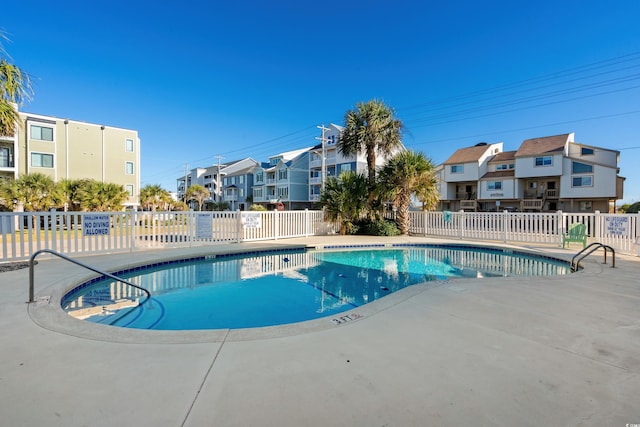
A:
198, 193
153, 196
405, 174
15, 88
67, 193
344, 199
371, 128
101, 196
35, 191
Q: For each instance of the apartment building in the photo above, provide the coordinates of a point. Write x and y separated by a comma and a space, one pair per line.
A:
212, 178
237, 184
68, 149
283, 181
544, 175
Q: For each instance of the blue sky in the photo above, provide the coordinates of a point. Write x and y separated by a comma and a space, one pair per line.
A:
200, 79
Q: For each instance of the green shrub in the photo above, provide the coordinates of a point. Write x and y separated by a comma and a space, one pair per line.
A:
375, 228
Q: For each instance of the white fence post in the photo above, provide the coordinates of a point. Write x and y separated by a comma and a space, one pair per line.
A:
306, 223
239, 228
276, 223
597, 229
505, 225
461, 222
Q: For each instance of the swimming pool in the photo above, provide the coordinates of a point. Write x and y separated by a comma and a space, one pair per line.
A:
281, 287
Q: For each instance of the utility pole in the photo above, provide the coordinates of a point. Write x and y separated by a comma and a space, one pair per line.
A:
184, 188
218, 192
324, 166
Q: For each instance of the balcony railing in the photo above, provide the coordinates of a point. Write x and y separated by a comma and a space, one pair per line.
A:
531, 204
468, 204
552, 194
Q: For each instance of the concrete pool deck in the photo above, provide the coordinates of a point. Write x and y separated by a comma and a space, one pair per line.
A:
556, 351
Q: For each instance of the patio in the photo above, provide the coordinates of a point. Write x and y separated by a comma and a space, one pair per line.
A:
503, 352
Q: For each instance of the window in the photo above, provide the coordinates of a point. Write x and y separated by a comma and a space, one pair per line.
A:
587, 151
128, 144
544, 161
128, 166
505, 167
283, 192
457, 168
225, 181
129, 189
345, 168
282, 174
42, 133
6, 158
494, 185
40, 160
241, 179
241, 192
257, 193
582, 181
259, 177
577, 167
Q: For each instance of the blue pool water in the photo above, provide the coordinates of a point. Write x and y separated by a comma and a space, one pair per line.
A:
265, 289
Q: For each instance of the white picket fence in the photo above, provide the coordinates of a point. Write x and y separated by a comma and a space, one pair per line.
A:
23, 233
619, 231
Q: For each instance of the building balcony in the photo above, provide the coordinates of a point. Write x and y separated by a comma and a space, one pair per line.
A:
314, 198
468, 205
552, 194
315, 180
531, 204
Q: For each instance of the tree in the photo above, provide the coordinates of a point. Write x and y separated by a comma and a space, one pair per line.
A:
371, 128
101, 196
344, 199
67, 193
35, 191
197, 193
405, 174
153, 197
15, 88
634, 208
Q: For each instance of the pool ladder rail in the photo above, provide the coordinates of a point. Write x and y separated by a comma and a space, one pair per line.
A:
575, 261
81, 264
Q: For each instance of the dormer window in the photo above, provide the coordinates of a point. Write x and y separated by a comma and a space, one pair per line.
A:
586, 151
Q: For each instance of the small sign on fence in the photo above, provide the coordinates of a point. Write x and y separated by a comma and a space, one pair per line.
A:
617, 225
204, 226
96, 224
251, 219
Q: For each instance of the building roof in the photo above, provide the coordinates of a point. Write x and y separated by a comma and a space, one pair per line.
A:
499, 174
544, 145
505, 156
468, 154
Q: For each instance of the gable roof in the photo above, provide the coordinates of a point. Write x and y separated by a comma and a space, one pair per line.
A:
468, 154
544, 145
